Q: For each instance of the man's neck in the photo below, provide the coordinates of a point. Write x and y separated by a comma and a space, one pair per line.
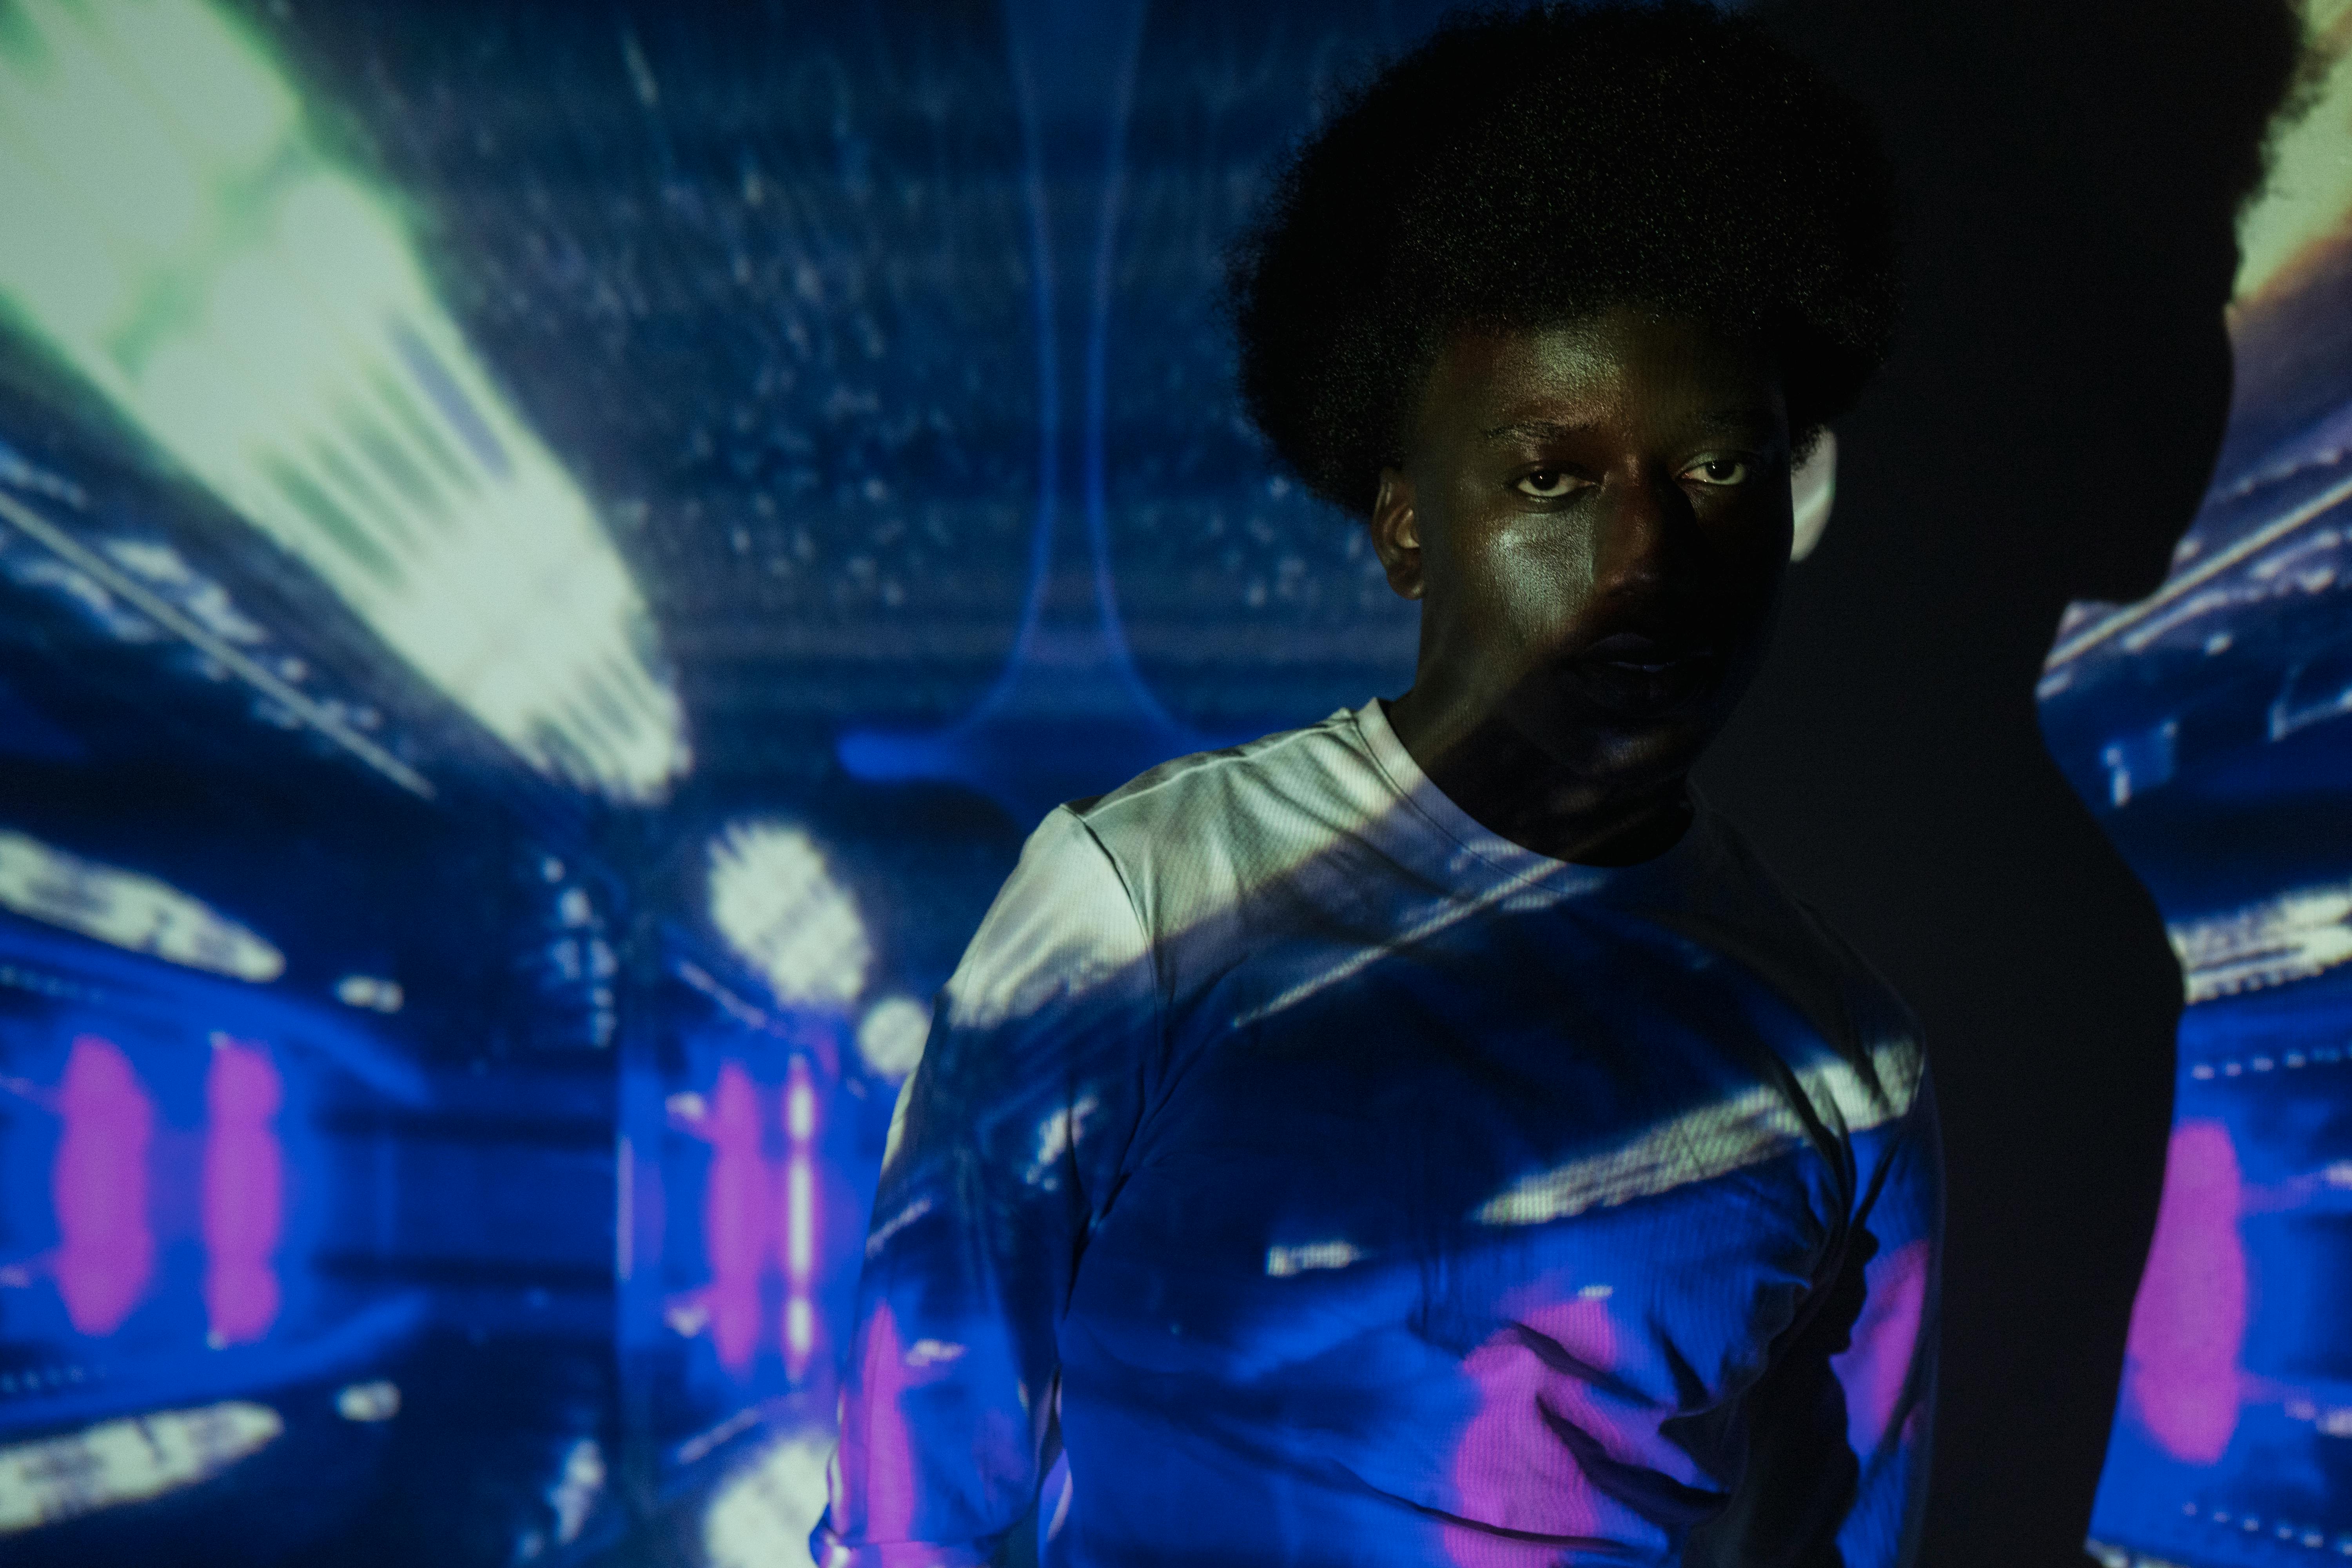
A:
1515, 790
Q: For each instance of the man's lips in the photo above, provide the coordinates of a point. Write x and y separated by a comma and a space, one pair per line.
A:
1635, 672
1640, 650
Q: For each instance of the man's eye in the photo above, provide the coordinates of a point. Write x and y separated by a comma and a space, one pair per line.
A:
1718, 471
1546, 484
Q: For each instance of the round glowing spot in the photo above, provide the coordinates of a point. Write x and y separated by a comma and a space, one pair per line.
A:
378, 1401
369, 991
774, 899
890, 1037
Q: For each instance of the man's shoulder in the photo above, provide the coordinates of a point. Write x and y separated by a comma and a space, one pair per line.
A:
1187, 799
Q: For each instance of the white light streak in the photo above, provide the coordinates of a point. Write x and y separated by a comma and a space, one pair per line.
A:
2291, 937
1057, 1135
800, 1216
1745, 1129
760, 1516
177, 238
800, 1334
894, 1224
800, 1206
126, 1461
98, 581
369, 991
378, 1401
1283, 1261
578, 1484
128, 911
776, 902
891, 1036
2146, 619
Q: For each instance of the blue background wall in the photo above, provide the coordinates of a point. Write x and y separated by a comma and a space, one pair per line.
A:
454, 1154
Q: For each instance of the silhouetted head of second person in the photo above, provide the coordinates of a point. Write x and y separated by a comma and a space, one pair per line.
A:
1555, 305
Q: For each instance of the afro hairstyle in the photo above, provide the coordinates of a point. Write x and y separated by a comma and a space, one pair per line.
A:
1528, 169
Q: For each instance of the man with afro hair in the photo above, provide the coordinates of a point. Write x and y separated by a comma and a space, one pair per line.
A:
1431, 1136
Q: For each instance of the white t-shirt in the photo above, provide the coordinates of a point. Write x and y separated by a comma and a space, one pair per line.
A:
1328, 1180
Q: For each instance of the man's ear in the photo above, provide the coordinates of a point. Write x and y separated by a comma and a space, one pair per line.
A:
1811, 489
1396, 532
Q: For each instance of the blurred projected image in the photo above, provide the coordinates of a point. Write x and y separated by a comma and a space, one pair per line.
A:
2211, 728
178, 239
550, 558
1429, 1135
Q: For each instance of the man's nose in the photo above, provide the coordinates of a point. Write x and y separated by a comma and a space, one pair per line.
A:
1648, 535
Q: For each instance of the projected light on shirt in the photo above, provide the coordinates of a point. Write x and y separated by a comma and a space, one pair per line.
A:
760, 1516
176, 238
774, 899
128, 910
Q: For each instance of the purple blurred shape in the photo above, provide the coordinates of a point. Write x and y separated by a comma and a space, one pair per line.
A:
735, 1228
244, 1192
2180, 1368
106, 1251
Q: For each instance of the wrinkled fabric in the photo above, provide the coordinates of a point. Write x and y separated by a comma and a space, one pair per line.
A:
1299, 1173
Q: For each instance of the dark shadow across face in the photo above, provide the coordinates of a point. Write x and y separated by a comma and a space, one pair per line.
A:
1596, 518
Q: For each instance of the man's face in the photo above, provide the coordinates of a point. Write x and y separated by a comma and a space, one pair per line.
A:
1596, 517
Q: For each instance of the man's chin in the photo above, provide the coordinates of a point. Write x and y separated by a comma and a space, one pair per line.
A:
1620, 759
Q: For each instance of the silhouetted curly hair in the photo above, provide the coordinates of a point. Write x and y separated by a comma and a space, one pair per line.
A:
1528, 169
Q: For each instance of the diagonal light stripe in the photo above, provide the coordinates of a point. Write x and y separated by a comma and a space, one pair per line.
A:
1746, 1130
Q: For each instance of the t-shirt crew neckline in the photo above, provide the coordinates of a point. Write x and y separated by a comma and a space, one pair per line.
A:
1515, 860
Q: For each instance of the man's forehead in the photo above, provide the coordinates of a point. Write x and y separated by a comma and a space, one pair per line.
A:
1750, 419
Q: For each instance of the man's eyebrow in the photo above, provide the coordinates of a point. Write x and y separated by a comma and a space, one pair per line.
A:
1542, 429
1719, 421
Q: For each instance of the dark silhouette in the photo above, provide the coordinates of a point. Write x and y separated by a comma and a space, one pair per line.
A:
2043, 433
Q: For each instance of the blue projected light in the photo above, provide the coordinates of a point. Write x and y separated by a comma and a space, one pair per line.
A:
165, 1191
181, 242
748, 1184
2207, 726
1070, 715
864, 360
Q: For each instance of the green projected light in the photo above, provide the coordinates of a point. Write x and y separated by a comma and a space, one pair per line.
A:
170, 233
2308, 196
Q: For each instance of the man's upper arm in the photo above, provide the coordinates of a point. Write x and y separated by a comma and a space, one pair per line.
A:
1017, 1113
1888, 1371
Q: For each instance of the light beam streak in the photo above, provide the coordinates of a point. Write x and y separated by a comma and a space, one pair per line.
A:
127, 910
177, 239
126, 1461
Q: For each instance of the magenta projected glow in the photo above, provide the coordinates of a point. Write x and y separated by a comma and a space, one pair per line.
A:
2189, 1324
244, 1192
1536, 1486
1873, 1367
106, 1249
144, 1173
759, 1219
734, 1228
